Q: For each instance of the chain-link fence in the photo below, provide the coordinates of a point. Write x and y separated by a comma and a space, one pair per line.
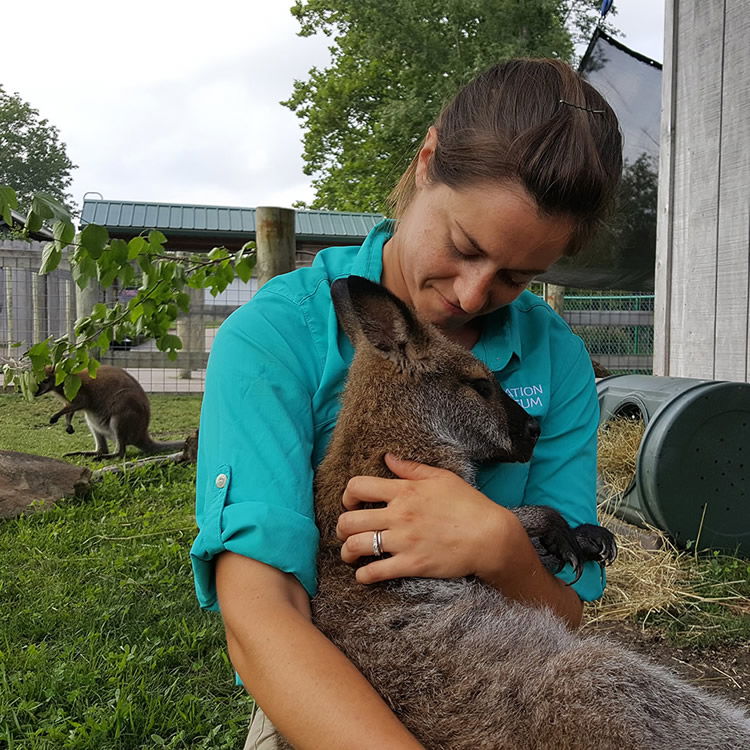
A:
617, 328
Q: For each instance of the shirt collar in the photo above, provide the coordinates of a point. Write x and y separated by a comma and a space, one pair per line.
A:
499, 344
500, 341
369, 260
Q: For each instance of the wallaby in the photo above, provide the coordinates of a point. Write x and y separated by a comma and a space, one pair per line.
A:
461, 666
115, 407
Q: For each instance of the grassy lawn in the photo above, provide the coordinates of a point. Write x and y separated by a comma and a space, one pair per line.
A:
102, 644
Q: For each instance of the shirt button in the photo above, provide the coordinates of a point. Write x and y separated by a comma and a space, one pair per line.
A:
221, 481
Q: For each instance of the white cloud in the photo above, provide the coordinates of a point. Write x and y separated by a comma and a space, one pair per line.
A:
179, 101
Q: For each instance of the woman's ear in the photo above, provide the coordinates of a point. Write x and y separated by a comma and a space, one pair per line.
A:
426, 153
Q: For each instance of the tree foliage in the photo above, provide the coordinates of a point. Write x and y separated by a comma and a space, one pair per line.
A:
32, 158
160, 278
394, 65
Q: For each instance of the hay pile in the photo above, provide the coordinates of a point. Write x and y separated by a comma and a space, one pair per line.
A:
619, 440
641, 581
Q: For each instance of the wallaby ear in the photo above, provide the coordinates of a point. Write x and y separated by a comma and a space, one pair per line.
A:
368, 311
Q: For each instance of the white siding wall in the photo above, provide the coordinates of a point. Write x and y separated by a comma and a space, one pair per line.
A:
702, 317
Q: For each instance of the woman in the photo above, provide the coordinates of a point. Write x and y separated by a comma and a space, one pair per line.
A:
516, 172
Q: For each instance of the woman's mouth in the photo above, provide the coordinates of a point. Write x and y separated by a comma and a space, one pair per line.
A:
450, 306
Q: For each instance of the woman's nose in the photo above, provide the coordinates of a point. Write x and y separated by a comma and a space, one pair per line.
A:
473, 292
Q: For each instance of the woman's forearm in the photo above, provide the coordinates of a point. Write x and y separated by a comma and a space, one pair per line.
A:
513, 567
311, 692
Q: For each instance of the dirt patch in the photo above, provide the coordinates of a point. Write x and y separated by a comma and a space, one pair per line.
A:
722, 669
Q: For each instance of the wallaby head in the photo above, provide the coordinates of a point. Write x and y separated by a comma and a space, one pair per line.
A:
421, 395
48, 384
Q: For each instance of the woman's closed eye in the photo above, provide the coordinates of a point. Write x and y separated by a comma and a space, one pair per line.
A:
511, 279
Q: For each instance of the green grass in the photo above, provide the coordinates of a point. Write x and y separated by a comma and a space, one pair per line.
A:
25, 427
102, 644
717, 610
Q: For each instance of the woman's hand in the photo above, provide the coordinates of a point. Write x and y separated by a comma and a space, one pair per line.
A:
434, 525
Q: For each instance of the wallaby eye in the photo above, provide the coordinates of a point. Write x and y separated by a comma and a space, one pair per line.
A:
482, 386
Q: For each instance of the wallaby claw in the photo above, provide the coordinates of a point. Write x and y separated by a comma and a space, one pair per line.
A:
596, 543
552, 537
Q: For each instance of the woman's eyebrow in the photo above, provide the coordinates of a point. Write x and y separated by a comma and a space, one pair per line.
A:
475, 245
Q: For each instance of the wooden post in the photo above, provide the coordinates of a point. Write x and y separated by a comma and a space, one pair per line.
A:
87, 297
275, 240
192, 330
10, 328
39, 307
554, 296
70, 308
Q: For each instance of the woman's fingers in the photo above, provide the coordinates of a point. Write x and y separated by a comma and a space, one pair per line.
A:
357, 521
366, 489
362, 545
363, 489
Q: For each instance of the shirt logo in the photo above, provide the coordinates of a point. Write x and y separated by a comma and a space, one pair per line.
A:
527, 396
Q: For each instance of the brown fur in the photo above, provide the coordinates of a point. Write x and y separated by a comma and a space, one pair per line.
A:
461, 666
115, 407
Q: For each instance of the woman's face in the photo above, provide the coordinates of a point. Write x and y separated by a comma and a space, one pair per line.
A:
458, 254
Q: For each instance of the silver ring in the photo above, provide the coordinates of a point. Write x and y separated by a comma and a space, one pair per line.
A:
377, 544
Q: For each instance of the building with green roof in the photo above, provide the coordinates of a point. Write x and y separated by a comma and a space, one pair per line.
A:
200, 228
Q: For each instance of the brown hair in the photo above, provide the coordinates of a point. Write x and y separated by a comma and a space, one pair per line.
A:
534, 122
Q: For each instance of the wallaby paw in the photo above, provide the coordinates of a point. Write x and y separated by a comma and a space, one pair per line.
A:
596, 543
53, 419
69, 429
552, 537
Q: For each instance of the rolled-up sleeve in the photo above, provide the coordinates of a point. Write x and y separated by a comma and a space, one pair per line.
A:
562, 473
255, 474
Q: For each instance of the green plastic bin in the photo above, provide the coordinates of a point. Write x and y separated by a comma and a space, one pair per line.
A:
692, 477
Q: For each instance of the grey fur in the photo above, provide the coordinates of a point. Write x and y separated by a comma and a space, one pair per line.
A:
461, 666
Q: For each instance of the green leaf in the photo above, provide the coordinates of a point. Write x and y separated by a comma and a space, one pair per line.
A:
8, 202
34, 221
119, 250
93, 367
39, 355
135, 247
94, 239
64, 232
51, 257
244, 269
218, 253
103, 341
155, 237
49, 208
72, 386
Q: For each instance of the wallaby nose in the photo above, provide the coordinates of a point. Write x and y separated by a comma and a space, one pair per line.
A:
533, 430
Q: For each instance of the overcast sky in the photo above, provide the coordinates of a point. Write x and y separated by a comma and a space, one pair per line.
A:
179, 101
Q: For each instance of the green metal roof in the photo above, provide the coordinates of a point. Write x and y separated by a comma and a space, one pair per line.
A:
194, 220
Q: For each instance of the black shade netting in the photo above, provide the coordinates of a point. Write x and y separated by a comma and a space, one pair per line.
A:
622, 255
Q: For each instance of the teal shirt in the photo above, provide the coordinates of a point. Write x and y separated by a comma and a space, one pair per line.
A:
275, 373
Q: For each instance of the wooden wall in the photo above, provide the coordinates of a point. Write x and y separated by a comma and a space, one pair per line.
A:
702, 315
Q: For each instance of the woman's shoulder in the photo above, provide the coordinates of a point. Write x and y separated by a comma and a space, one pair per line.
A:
303, 290
540, 327
328, 265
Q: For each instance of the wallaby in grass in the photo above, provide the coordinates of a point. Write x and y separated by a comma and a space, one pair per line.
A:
115, 407
461, 666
